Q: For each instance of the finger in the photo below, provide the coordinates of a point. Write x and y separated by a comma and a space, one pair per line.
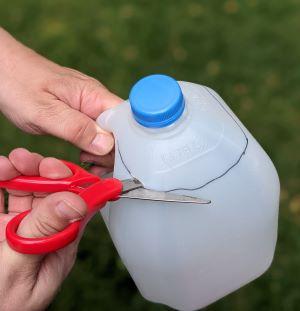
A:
104, 161
18, 193
7, 170
59, 264
51, 215
96, 99
77, 128
54, 169
25, 162
4, 219
19, 204
2, 202
47, 167
84, 93
100, 171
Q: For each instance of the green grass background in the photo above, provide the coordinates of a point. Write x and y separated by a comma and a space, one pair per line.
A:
248, 51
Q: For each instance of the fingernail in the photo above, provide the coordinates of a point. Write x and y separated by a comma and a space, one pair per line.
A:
67, 211
102, 144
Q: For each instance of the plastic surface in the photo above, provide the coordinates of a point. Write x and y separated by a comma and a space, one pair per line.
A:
188, 256
203, 144
94, 191
156, 101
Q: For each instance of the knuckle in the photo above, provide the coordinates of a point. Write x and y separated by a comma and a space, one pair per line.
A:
58, 81
93, 88
45, 226
95, 83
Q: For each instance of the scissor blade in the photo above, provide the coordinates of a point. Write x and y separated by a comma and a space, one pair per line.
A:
131, 184
152, 195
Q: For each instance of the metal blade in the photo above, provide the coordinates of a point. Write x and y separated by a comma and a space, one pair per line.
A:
131, 184
152, 195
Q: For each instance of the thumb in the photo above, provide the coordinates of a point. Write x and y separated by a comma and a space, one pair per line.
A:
53, 214
77, 128
26, 272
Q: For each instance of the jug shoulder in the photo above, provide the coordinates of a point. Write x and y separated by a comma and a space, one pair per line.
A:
205, 142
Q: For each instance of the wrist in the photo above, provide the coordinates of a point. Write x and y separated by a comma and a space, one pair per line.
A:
10, 52
6, 42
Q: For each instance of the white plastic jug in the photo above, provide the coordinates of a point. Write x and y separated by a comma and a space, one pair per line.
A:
182, 137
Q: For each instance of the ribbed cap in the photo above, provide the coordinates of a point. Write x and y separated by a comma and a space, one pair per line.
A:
156, 101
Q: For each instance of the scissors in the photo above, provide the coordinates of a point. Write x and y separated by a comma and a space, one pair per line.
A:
92, 189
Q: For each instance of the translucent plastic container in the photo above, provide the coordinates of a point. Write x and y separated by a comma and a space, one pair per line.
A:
182, 137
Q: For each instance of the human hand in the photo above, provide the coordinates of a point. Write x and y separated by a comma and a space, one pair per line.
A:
29, 282
41, 97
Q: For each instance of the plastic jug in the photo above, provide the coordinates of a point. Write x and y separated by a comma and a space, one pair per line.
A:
182, 137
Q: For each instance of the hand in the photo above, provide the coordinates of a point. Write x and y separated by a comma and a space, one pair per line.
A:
41, 97
29, 282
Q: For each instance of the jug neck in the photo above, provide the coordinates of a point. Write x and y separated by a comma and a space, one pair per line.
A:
176, 126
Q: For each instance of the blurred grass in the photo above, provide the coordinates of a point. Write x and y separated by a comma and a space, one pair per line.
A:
248, 51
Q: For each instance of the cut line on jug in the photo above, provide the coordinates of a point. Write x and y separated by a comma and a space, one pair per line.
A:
219, 176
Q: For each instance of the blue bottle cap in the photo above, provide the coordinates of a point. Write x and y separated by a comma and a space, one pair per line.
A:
156, 101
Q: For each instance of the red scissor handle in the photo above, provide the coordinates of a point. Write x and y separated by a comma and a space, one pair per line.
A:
79, 178
94, 191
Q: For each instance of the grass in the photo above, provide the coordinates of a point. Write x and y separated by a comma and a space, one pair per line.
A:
246, 50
